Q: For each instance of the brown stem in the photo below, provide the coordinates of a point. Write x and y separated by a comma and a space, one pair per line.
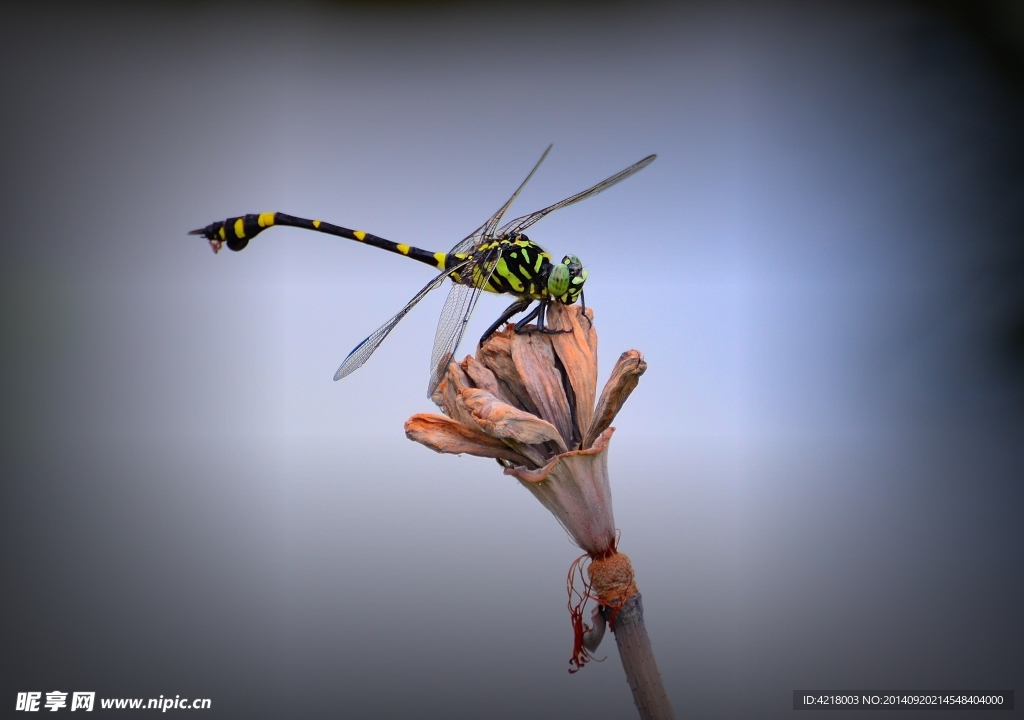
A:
638, 661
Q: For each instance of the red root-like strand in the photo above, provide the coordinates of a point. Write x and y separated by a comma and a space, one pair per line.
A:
577, 601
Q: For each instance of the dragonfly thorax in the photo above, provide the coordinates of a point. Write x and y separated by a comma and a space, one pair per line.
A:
525, 269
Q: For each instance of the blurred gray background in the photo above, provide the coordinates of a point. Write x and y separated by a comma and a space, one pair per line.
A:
819, 479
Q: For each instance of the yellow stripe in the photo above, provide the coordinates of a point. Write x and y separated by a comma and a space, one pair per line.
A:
511, 279
360, 235
316, 224
440, 257
404, 249
239, 228
266, 219
221, 233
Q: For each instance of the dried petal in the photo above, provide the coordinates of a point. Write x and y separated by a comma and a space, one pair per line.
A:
506, 422
482, 376
625, 376
454, 382
577, 350
574, 487
496, 355
535, 361
444, 435
449, 396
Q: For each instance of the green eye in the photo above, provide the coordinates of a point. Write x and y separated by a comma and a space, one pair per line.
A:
558, 280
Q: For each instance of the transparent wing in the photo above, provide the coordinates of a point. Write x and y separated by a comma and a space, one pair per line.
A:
469, 242
521, 223
491, 225
455, 316
362, 352
487, 229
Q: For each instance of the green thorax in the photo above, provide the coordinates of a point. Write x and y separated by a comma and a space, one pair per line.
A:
525, 270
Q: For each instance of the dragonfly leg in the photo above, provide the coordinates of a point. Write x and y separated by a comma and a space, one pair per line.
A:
517, 307
542, 322
583, 304
521, 325
542, 317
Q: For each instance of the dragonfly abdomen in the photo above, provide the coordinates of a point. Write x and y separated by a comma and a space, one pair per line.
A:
236, 232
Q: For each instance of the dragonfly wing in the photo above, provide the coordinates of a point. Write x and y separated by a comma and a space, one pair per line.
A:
455, 316
466, 245
521, 223
491, 225
487, 229
362, 352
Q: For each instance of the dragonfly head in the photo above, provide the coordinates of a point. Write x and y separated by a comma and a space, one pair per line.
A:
565, 281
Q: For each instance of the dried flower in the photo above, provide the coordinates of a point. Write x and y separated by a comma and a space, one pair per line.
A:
528, 401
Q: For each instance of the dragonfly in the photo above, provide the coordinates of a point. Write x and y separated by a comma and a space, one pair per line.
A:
492, 259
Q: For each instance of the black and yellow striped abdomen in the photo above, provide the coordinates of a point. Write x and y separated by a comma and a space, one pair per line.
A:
236, 232
522, 265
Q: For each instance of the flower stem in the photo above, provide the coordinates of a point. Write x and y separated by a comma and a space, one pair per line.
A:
638, 661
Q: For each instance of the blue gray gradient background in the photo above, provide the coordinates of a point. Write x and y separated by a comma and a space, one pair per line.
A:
819, 479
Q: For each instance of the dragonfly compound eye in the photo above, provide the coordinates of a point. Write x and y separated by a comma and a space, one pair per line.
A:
558, 280
577, 276
575, 266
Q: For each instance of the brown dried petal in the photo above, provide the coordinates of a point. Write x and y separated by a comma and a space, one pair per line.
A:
450, 395
444, 435
453, 383
535, 361
625, 376
483, 377
503, 421
539, 455
577, 350
496, 355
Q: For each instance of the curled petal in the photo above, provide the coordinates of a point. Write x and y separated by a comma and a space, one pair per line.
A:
496, 355
483, 377
535, 362
577, 350
574, 487
444, 435
503, 421
450, 391
625, 376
